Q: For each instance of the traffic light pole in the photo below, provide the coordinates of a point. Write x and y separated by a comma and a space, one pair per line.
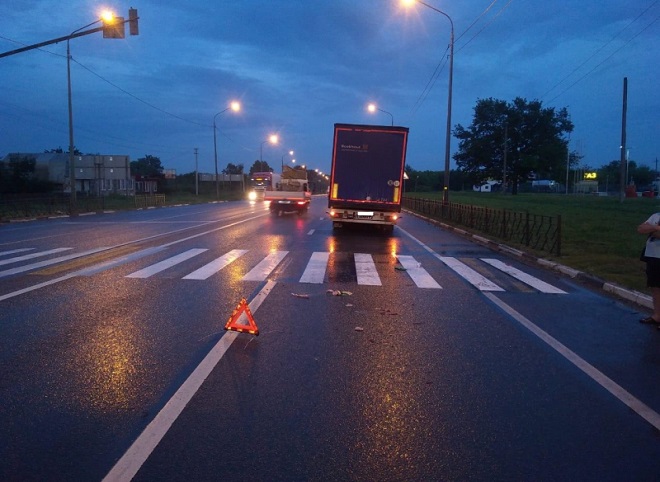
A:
133, 29
110, 30
50, 42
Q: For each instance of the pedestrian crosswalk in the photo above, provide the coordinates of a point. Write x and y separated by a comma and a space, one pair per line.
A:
367, 271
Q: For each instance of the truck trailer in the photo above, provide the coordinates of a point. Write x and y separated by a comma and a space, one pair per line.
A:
366, 179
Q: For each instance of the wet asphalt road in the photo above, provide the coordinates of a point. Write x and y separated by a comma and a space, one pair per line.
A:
402, 380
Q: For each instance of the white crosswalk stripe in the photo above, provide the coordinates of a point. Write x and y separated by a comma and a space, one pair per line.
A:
366, 270
49, 262
419, 275
315, 270
25, 257
530, 280
13, 251
261, 271
165, 264
475, 279
216, 265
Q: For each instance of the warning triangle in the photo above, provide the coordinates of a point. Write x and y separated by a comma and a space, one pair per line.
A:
234, 325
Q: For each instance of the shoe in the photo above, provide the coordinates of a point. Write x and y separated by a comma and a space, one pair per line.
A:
650, 321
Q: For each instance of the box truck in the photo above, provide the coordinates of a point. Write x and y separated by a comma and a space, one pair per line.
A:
366, 179
291, 194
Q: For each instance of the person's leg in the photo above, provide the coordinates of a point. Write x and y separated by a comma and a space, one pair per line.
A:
655, 293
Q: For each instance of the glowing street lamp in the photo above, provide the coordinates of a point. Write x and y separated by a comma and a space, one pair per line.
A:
407, 3
234, 106
373, 108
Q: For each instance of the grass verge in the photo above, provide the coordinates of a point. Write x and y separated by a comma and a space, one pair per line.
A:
599, 234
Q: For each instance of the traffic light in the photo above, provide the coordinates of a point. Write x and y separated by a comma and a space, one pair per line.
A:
114, 28
133, 21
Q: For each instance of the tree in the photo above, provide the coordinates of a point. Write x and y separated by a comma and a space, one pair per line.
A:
148, 166
58, 150
532, 134
18, 174
233, 169
260, 166
610, 174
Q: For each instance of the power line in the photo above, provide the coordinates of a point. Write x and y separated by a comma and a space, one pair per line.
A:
597, 51
440, 67
140, 100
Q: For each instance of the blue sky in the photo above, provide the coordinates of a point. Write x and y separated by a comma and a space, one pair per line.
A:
299, 66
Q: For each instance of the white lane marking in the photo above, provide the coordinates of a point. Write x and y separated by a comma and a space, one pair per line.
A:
310, 232
366, 270
33, 255
471, 276
528, 279
119, 261
166, 263
419, 275
315, 270
643, 410
474, 278
13, 251
129, 464
266, 266
216, 265
37, 286
71, 275
49, 262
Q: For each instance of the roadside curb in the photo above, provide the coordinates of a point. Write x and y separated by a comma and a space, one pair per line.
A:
630, 295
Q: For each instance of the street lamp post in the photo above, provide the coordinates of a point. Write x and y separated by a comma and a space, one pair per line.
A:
373, 108
235, 106
445, 193
72, 167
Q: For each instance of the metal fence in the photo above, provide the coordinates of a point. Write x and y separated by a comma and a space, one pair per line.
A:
534, 231
149, 200
42, 206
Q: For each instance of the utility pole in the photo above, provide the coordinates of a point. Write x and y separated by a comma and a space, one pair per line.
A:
622, 167
506, 141
196, 175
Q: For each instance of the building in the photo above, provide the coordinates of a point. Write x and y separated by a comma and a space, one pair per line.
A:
99, 175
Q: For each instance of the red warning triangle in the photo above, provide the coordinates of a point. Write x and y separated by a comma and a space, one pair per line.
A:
233, 325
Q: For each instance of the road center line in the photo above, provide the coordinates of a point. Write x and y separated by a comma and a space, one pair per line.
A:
129, 464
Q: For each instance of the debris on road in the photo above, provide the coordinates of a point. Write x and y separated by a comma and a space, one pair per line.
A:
339, 293
298, 295
359, 328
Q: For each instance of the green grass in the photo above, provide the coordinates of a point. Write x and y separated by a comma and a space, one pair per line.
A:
599, 234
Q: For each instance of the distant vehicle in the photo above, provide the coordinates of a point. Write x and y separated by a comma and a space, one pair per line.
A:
487, 186
544, 185
366, 180
260, 183
291, 194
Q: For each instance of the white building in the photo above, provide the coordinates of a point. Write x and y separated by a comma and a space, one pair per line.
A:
98, 175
